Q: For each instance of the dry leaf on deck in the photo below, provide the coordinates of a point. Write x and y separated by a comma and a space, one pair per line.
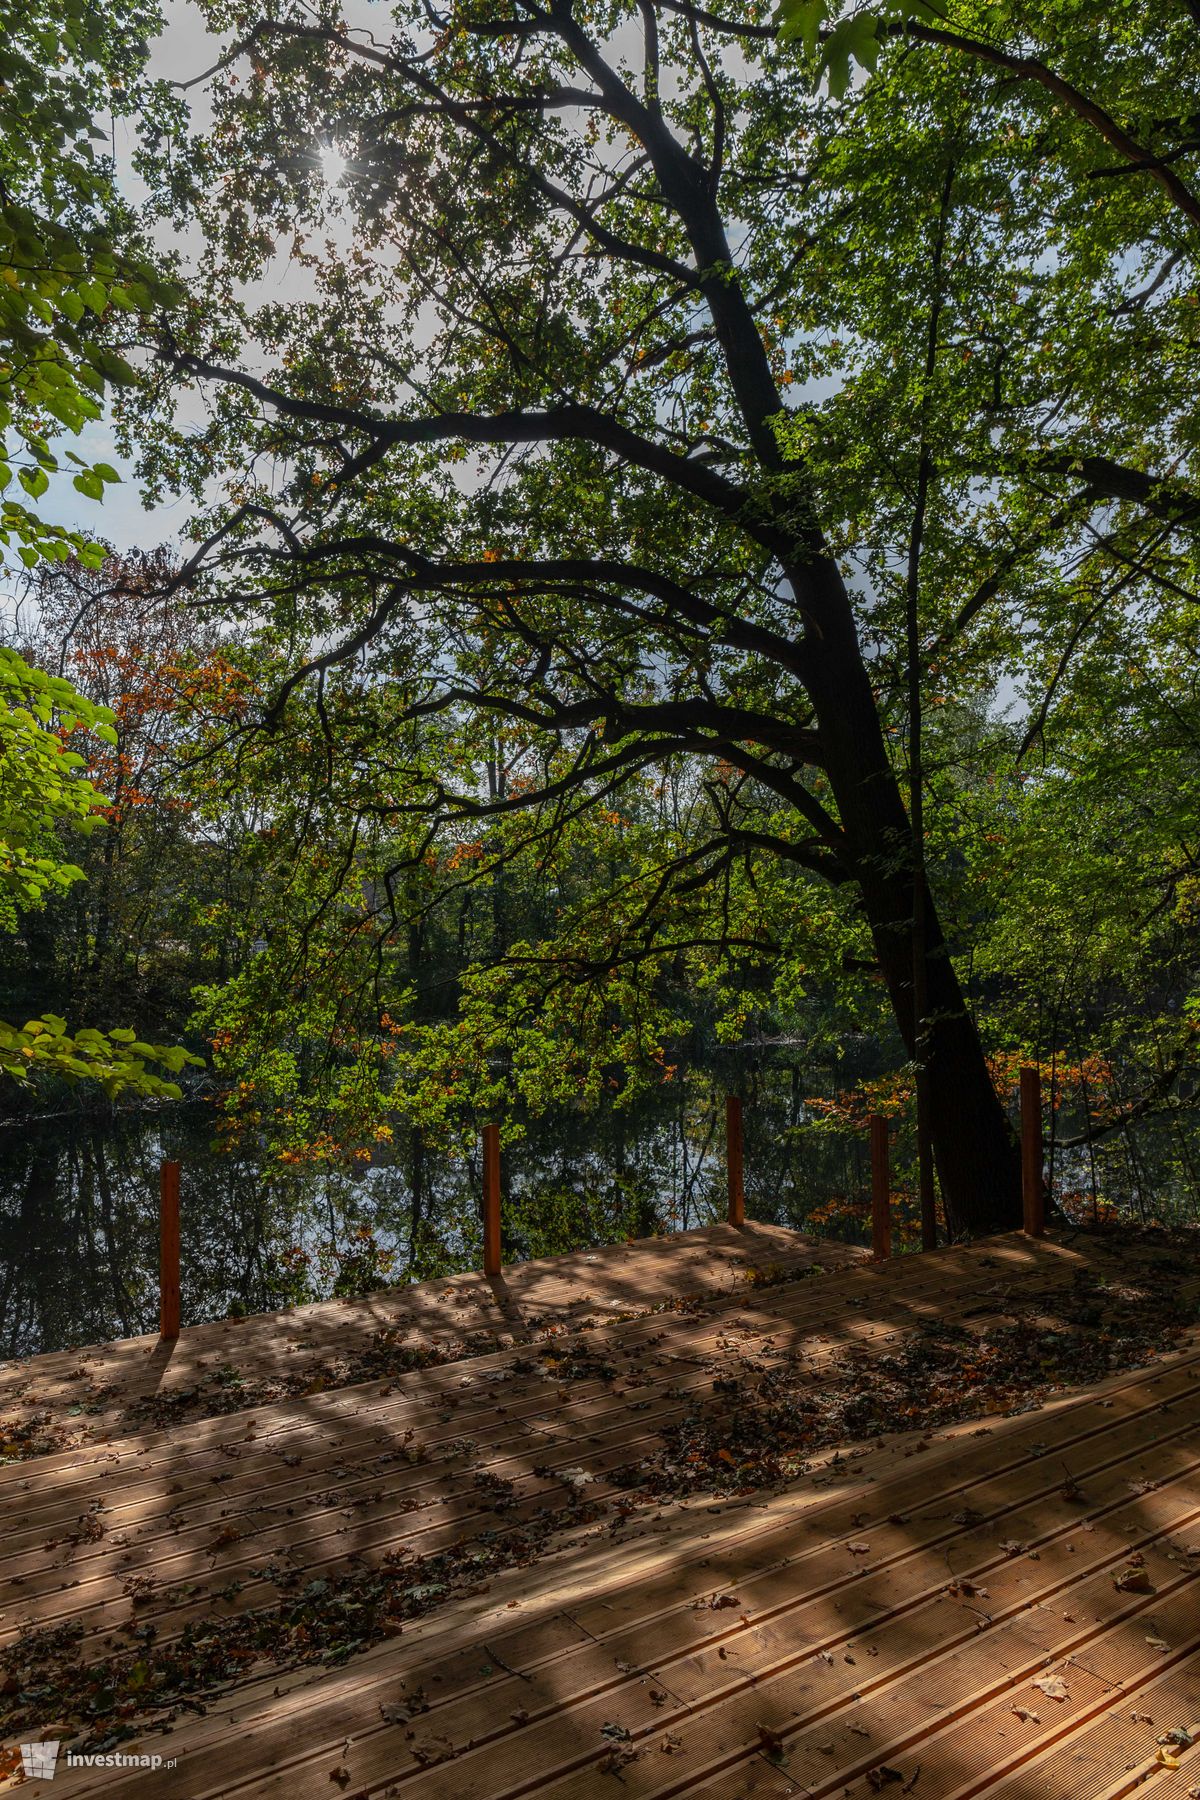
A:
770, 1739
432, 1749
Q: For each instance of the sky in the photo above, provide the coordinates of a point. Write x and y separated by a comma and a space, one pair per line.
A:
184, 50
122, 519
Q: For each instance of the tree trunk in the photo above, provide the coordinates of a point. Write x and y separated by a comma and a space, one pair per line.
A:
975, 1149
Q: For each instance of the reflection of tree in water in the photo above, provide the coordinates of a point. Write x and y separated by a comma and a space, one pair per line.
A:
79, 1200
79, 1228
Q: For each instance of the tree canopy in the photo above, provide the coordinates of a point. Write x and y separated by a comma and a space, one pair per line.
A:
672, 392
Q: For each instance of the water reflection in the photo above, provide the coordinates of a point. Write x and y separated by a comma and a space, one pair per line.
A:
79, 1223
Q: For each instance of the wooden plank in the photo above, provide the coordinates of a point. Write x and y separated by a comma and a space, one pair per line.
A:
187, 1531
617, 1646
537, 1295
917, 1293
1086, 1413
321, 1536
914, 1294
651, 1630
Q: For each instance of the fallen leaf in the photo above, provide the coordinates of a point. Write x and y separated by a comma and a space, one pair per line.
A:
1053, 1686
770, 1739
432, 1749
883, 1776
1027, 1715
615, 1759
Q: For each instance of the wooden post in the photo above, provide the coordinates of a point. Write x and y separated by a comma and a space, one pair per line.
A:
1033, 1194
491, 1199
168, 1250
881, 1190
734, 1160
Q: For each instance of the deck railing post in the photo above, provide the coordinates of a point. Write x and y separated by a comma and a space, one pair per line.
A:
491, 1199
735, 1160
1033, 1194
168, 1250
881, 1190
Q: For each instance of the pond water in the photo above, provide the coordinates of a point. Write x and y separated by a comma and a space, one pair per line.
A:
79, 1206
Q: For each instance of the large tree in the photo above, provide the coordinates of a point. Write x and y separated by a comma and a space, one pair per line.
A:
644, 400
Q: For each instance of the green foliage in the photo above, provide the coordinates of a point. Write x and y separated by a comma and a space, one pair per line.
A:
70, 280
116, 1062
541, 794
40, 782
42, 791
63, 283
836, 37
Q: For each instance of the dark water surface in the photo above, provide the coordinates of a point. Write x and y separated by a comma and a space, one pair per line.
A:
79, 1206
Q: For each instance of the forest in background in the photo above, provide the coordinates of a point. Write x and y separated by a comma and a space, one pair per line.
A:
693, 589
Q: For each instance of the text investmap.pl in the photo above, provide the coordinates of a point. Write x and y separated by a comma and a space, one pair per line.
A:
40, 1762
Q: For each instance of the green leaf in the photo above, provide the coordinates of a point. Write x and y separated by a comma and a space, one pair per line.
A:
802, 19
34, 481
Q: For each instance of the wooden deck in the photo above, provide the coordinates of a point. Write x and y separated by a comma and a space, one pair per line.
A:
875, 1616
102, 1391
